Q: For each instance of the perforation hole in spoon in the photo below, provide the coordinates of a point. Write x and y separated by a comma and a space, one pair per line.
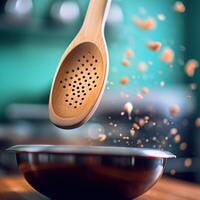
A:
82, 71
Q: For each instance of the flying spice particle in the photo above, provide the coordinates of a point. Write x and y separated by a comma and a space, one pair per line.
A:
147, 140
146, 25
197, 122
190, 67
150, 62
145, 91
166, 121
124, 80
135, 126
132, 132
174, 110
179, 7
189, 97
172, 172
193, 86
154, 46
141, 122
128, 107
139, 97
142, 67
129, 53
125, 62
161, 17
123, 95
162, 83
154, 138
109, 133
167, 55
177, 139
139, 141
183, 146
188, 162
102, 137
173, 131
146, 119
142, 10
122, 113
163, 142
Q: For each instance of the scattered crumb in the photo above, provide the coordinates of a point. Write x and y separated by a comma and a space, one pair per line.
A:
129, 53
125, 62
167, 55
190, 67
197, 122
179, 7
146, 25
154, 46
174, 110
124, 80
188, 162
102, 137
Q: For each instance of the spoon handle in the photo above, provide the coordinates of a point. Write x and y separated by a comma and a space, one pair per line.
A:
96, 15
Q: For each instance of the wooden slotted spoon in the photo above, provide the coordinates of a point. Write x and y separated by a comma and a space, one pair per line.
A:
82, 71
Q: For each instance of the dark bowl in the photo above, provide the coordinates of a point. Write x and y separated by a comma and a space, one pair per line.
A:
90, 172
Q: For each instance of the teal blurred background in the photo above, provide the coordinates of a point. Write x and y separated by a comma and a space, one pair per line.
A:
33, 37
29, 53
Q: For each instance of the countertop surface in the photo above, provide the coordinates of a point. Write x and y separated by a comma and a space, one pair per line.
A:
16, 188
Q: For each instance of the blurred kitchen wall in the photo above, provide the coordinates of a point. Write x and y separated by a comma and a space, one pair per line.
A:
33, 36
31, 48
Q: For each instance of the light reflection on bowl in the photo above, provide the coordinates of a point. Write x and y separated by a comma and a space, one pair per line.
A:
90, 172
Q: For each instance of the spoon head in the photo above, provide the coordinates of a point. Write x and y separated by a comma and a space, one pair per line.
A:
77, 172
78, 85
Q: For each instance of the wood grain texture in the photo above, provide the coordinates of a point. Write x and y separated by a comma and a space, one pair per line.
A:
16, 188
82, 71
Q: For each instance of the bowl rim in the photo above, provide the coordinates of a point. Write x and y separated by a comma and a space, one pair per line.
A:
92, 150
